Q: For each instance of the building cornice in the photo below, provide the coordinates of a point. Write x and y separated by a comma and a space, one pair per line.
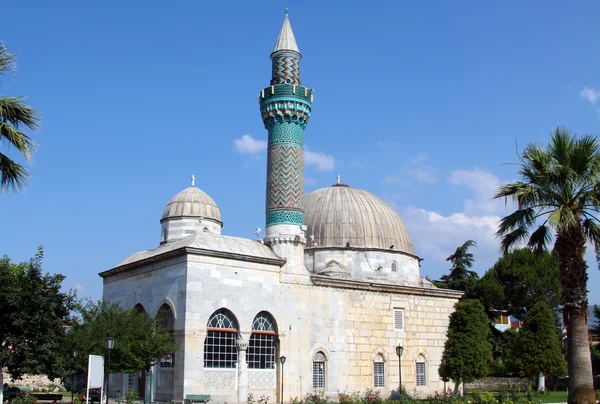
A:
384, 287
192, 251
362, 249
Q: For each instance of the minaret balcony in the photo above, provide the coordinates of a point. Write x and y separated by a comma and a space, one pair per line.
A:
286, 92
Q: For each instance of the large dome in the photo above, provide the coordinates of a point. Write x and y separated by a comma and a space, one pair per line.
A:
192, 202
341, 214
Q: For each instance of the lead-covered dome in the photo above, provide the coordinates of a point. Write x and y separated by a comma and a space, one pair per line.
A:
192, 202
341, 214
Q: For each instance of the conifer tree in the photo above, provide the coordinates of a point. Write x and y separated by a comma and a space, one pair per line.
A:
537, 349
467, 352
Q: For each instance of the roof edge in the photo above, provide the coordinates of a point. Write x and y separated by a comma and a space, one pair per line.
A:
384, 287
191, 251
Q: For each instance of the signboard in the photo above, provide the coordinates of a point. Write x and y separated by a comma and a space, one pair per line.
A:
95, 375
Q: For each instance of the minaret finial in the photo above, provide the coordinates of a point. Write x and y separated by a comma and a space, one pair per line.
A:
193, 180
286, 11
338, 179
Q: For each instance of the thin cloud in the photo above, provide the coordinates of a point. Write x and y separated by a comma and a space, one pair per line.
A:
249, 145
590, 94
319, 161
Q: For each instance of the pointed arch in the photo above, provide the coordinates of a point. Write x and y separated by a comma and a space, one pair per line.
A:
263, 340
220, 343
166, 316
139, 308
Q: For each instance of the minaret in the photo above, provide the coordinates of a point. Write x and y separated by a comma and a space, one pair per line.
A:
285, 108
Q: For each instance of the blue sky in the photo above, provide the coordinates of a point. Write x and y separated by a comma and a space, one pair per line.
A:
421, 103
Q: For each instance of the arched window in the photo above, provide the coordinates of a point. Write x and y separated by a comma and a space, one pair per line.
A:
379, 371
421, 371
261, 349
220, 349
167, 323
139, 308
319, 362
394, 266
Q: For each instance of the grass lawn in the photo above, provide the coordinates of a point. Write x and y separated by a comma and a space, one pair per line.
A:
549, 397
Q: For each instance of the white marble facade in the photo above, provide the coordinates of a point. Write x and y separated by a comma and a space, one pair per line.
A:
352, 325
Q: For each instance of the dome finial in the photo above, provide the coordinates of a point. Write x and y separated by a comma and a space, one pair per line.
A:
338, 179
193, 180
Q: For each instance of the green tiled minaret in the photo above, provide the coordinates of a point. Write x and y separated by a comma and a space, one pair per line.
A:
285, 108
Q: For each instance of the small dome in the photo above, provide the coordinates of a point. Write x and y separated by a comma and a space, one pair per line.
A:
192, 202
341, 214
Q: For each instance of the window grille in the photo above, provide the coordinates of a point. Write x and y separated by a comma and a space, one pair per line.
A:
421, 376
399, 319
220, 349
167, 361
261, 351
319, 371
379, 374
394, 266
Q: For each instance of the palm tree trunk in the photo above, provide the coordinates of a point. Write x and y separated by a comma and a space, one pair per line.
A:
570, 246
581, 380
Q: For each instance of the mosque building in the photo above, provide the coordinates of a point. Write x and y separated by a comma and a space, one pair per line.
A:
334, 286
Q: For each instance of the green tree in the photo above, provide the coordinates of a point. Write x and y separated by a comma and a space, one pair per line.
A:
14, 116
502, 351
518, 280
461, 277
559, 195
537, 347
139, 339
32, 319
467, 352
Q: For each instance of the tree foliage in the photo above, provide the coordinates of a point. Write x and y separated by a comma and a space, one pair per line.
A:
139, 339
537, 347
467, 352
33, 318
14, 116
461, 277
518, 280
502, 352
559, 195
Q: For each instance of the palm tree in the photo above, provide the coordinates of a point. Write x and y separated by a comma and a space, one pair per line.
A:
461, 276
14, 115
559, 195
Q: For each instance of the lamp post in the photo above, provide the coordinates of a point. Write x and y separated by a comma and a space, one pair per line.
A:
399, 350
282, 360
74, 370
110, 343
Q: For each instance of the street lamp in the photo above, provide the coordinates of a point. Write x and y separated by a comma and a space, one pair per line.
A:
282, 360
110, 344
74, 370
399, 350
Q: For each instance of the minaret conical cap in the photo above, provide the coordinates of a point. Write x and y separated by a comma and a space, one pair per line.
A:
286, 39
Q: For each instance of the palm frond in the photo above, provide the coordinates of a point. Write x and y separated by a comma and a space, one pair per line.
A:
15, 112
591, 229
7, 60
12, 174
19, 140
540, 238
513, 238
519, 218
